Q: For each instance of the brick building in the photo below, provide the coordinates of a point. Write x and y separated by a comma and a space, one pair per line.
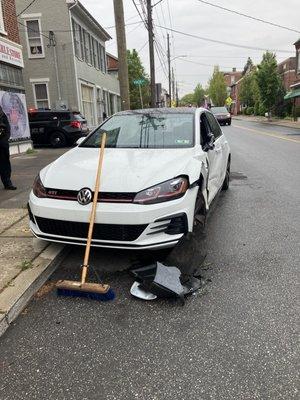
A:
236, 106
12, 91
112, 64
287, 71
231, 78
294, 87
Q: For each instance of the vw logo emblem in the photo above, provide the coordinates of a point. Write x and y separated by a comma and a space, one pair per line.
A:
84, 196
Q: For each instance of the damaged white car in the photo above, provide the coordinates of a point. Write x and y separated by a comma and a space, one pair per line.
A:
162, 169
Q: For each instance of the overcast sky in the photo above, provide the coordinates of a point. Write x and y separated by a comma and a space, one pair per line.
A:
194, 17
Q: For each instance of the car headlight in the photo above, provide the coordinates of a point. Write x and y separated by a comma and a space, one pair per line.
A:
228, 115
169, 190
38, 188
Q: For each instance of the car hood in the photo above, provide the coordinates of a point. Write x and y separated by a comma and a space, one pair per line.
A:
124, 170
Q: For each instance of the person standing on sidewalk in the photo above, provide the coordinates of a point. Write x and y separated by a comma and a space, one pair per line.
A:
5, 167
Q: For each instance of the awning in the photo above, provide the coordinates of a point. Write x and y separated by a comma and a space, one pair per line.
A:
292, 94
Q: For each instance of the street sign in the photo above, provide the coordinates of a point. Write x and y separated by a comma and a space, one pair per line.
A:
139, 81
228, 101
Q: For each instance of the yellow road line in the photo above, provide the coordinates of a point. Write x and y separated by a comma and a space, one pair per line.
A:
267, 134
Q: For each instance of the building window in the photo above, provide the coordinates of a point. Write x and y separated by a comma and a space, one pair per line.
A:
2, 27
87, 47
87, 98
11, 76
34, 39
95, 53
77, 39
232, 79
41, 95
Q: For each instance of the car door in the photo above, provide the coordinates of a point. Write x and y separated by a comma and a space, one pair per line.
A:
212, 161
220, 150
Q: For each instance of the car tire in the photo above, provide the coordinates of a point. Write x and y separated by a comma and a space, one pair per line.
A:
229, 123
58, 139
226, 181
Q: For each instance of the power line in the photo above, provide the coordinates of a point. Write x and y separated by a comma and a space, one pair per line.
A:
113, 26
204, 65
249, 16
144, 45
225, 43
26, 8
33, 30
138, 11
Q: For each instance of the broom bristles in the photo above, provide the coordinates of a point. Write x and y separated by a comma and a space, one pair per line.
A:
109, 295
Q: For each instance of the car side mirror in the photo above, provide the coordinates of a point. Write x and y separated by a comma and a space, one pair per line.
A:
80, 140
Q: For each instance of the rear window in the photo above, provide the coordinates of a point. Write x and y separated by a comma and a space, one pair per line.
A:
39, 116
219, 110
149, 130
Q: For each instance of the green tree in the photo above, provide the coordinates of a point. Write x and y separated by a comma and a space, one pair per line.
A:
248, 66
217, 88
199, 95
136, 70
247, 90
268, 81
187, 99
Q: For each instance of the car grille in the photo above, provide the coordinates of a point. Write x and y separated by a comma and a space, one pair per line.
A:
108, 197
80, 229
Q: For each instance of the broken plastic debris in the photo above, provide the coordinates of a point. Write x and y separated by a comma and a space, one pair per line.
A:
137, 291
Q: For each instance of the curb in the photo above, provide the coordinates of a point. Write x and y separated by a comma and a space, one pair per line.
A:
15, 297
267, 123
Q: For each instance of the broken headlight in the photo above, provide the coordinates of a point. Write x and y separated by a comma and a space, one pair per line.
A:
169, 190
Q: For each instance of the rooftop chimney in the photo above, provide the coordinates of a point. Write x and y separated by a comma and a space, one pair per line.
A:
233, 69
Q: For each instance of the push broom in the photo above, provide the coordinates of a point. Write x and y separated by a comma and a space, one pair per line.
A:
97, 291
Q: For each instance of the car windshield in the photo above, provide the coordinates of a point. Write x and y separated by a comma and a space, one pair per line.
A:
148, 130
219, 110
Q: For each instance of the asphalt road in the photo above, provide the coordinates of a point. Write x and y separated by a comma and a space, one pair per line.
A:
235, 339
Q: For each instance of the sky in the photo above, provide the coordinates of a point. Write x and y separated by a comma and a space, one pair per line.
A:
194, 17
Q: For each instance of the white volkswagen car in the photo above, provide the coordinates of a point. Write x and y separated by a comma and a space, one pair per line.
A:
162, 169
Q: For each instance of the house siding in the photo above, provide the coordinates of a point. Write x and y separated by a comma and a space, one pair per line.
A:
72, 71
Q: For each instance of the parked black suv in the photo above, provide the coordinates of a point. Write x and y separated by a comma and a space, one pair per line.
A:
57, 128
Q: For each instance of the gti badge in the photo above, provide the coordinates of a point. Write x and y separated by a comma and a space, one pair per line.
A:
84, 196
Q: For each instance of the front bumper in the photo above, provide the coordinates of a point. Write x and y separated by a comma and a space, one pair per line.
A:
117, 225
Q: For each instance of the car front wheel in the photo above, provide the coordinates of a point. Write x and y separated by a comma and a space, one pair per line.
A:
225, 185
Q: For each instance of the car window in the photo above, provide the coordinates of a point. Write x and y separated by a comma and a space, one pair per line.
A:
205, 129
146, 130
62, 116
215, 127
219, 110
35, 116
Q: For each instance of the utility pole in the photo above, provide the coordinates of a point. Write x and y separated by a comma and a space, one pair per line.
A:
177, 98
151, 53
173, 85
122, 54
169, 69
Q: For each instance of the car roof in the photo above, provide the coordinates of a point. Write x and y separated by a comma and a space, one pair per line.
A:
177, 110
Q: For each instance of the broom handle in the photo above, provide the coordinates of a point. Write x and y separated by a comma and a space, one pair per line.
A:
93, 212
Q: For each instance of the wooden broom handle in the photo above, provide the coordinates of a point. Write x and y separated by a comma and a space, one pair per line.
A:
93, 212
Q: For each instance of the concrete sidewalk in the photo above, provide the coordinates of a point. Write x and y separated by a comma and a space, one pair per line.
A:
263, 120
26, 262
